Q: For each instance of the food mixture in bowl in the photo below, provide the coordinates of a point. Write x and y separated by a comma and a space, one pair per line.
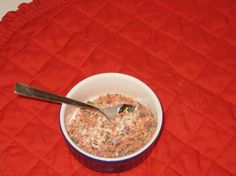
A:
93, 133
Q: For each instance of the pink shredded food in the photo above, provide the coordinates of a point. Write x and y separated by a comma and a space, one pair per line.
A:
93, 133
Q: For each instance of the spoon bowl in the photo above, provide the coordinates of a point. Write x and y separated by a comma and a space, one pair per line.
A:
114, 83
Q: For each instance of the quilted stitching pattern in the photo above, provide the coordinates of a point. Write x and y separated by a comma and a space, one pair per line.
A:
184, 50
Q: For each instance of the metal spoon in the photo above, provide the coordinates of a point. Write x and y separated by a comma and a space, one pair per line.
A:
109, 112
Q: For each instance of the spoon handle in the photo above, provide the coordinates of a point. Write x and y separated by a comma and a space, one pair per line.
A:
28, 91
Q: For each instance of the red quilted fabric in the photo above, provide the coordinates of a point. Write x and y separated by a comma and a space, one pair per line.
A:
185, 50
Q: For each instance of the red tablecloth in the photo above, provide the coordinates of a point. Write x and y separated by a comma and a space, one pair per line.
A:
184, 50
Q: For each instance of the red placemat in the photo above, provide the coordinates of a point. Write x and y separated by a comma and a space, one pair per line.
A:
184, 50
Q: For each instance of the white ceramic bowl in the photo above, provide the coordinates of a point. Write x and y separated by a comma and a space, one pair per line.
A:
113, 83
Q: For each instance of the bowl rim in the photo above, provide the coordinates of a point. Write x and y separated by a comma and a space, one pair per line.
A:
117, 159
